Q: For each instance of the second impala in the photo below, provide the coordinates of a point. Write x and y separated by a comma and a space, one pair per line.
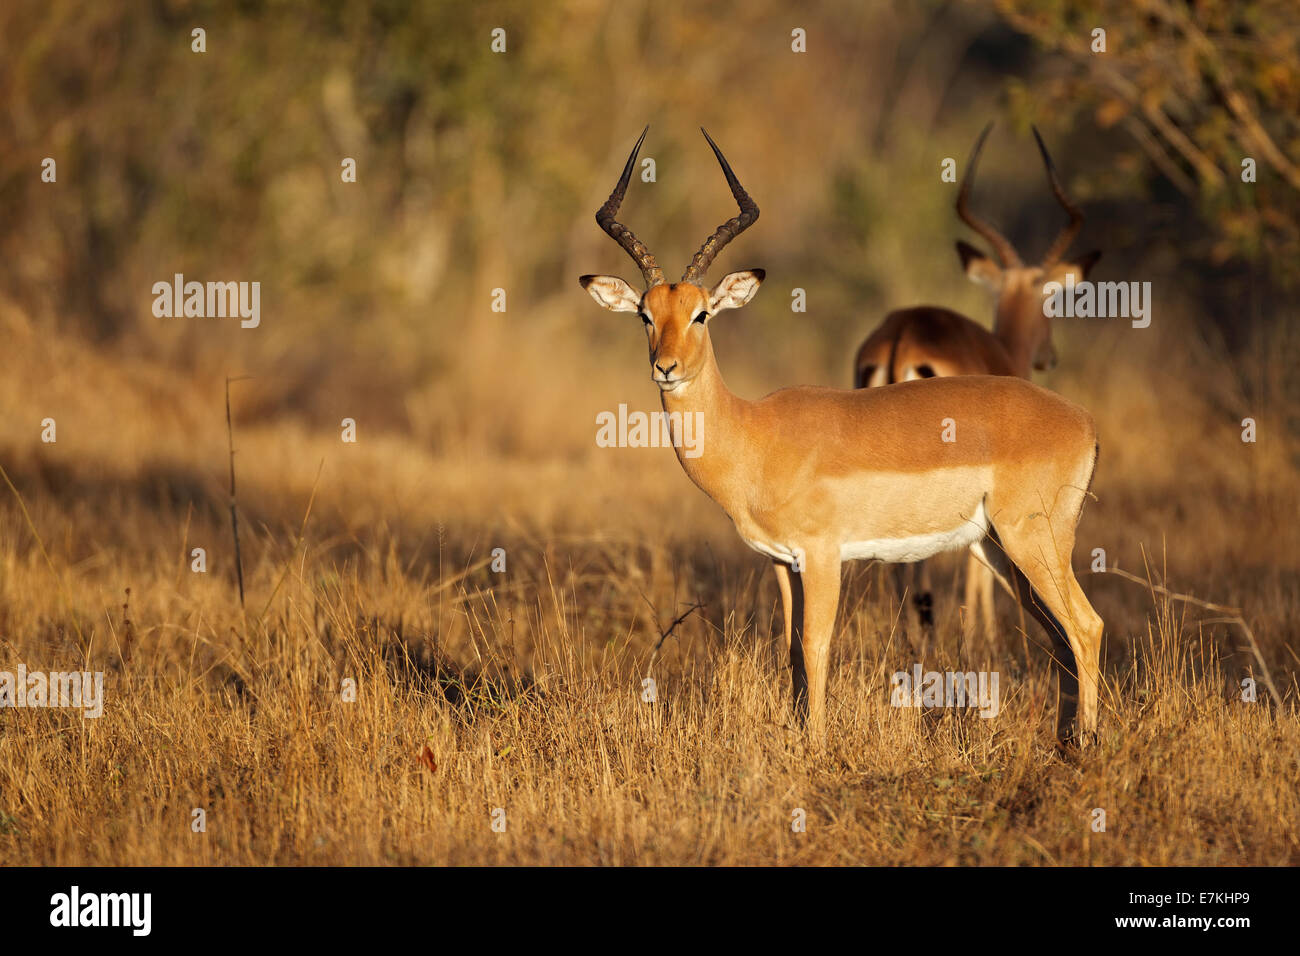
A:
813, 477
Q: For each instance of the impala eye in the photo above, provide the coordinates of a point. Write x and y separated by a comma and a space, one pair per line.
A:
701, 317
646, 319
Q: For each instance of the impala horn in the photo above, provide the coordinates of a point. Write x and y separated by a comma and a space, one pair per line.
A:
728, 230
634, 247
1071, 228
1006, 252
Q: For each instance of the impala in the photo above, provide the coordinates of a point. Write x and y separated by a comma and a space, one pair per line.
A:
812, 477
929, 341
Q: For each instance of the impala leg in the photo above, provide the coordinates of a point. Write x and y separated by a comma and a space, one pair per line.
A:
788, 599
987, 620
1041, 578
912, 585
903, 591
979, 601
1086, 641
790, 583
1082, 629
924, 601
821, 600
972, 596
798, 670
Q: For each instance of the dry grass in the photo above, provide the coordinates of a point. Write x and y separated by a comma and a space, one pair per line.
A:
525, 687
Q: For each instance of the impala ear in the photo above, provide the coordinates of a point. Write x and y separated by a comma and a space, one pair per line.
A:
612, 293
735, 289
978, 267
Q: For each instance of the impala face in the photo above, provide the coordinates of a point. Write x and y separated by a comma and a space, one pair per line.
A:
1018, 295
676, 315
1017, 287
675, 318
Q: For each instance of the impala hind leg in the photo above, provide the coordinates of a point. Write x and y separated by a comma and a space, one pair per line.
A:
820, 578
1044, 584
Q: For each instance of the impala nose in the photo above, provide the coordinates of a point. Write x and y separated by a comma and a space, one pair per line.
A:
664, 371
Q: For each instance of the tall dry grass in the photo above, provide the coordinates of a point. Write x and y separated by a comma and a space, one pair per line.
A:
523, 690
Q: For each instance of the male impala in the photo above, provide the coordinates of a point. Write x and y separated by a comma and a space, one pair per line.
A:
929, 341
813, 477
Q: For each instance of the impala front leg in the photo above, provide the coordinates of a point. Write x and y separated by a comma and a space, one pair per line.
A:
820, 577
791, 609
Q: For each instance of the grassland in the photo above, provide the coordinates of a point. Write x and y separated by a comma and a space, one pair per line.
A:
523, 690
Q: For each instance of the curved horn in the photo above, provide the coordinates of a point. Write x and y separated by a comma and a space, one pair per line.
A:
730, 229
1071, 229
1001, 246
621, 234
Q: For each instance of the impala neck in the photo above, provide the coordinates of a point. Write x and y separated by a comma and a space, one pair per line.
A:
719, 423
1019, 325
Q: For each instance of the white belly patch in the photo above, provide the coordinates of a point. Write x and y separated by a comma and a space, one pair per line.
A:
920, 546
893, 550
